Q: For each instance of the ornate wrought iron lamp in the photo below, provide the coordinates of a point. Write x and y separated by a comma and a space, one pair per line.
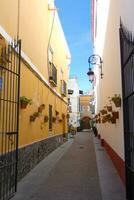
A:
94, 60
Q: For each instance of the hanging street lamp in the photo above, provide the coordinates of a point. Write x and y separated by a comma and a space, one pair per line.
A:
94, 60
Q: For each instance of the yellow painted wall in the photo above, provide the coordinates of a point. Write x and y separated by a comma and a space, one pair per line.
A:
84, 101
34, 31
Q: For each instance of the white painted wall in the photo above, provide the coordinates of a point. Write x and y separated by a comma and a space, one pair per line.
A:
107, 45
74, 99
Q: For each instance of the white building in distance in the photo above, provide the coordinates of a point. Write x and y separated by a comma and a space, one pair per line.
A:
74, 102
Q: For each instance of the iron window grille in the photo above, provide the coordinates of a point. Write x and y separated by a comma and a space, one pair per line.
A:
53, 74
63, 88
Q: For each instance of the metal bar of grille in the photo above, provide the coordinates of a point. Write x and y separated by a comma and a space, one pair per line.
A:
9, 114
127, 68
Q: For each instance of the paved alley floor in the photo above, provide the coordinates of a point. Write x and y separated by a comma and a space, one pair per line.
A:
68, 173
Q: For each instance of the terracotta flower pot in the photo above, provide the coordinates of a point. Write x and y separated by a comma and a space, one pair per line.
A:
113, 120
117, 102
54, 119
108, 118
109, 108
40, 109
46, 118
115, 115
32, 118
103, 112
23, 105
104, 120
68, 116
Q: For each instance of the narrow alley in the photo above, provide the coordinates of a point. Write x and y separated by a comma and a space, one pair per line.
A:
71, 173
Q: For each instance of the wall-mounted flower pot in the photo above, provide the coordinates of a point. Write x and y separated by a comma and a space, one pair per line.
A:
103, 112
46, 118
109, 108
23, 105
54, 119
115, 115
104, 120
41, 108
67, 115
113, 120
24, 101
56, 113
117, 102
32, 118
36, 114
108, 118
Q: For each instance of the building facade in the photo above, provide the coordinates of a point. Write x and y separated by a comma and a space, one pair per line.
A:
44, 68
74, 102
114, 44
85, 111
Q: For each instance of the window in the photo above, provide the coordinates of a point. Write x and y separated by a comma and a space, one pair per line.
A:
63, 88
50, 117
52, 68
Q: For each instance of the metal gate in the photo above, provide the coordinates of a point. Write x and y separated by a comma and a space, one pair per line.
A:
127, 65
9, 112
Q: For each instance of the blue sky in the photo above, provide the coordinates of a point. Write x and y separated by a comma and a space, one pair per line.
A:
75, 18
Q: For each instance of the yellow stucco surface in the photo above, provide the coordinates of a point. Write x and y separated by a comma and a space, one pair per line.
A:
35, 23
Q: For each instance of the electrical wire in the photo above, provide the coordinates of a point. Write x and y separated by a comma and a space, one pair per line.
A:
18, 20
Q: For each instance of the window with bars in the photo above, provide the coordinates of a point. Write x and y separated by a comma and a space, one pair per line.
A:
53, 74
63, 88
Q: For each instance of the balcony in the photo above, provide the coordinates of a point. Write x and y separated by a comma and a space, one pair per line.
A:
53, 74
63, 88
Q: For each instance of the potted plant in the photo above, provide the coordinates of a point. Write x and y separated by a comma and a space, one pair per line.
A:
109, 108
56, 113
32, 118
67, 115
113, 120
41, 107
53, 119
116, 99
108, 117
36, 114
46, 118
104, 120
103, 112
115, 114
24, 101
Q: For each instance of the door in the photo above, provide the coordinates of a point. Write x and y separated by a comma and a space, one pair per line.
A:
9, 113
85, 123
127, 67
